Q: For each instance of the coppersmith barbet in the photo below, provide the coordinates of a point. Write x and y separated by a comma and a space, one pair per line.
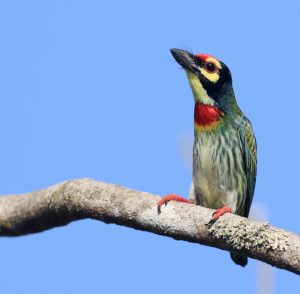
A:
224, 153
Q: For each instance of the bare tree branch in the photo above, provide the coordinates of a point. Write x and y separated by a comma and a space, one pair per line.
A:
85, 198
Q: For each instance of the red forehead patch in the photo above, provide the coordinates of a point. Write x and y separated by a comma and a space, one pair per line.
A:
203, 57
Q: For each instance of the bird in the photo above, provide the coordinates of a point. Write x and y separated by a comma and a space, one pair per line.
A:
225, 149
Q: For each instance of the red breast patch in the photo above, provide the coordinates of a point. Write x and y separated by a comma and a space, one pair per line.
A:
206, 115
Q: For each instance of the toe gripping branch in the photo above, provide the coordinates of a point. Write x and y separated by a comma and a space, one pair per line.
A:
164, 200
219, 212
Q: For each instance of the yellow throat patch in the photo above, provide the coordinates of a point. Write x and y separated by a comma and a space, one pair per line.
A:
199, 92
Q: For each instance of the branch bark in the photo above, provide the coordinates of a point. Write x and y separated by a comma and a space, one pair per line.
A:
84, 198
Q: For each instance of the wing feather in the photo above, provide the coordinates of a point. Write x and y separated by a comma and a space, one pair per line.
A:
249, 149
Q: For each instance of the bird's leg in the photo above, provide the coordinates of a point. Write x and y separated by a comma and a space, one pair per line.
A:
219, 212
169, 197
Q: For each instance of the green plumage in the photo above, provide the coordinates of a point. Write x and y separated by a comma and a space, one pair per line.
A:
224, 153
224, 165
248, 145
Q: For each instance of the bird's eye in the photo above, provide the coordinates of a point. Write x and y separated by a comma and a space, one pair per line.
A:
210, 67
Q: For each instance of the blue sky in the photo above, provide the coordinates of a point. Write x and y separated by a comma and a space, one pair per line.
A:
89, 89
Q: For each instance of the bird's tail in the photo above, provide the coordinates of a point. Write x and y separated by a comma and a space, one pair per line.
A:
239, 259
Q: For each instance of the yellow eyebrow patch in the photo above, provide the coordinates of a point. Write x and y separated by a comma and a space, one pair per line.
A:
213, 77
215, 61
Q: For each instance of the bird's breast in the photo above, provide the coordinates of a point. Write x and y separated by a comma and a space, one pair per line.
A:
206, 116
218, 174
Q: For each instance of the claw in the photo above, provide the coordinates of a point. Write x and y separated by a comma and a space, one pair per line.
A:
164, 200
221, 211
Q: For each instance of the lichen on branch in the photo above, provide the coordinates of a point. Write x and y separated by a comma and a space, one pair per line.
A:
85, 198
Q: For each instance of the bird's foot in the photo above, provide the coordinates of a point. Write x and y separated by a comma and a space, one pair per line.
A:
164, 200
219, 212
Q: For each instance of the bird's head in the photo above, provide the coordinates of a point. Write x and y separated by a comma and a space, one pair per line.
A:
209, 78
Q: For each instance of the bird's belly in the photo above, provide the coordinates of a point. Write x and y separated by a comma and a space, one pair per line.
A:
210, 189
216, 177
210, 193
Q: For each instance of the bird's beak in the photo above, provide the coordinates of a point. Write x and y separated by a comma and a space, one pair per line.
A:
185, 59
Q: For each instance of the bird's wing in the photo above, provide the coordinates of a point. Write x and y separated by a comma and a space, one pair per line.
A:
249, 149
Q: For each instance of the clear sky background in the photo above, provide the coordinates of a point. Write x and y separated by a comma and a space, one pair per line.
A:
90, 89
